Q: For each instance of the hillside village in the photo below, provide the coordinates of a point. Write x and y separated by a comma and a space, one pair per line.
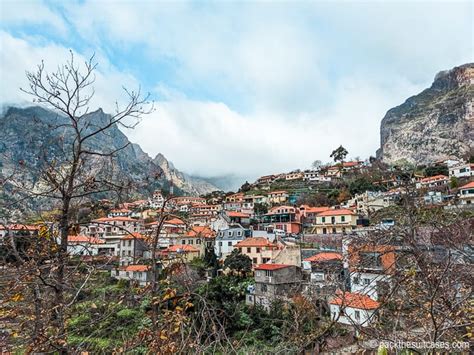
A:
318, 233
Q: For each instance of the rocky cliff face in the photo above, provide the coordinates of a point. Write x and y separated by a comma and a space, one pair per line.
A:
181, 180
436, 124
30, 136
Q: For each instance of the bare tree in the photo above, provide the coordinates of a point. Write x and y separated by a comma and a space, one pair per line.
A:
79, 171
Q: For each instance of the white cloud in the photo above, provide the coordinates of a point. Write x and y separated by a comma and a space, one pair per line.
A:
20, 55
27, 12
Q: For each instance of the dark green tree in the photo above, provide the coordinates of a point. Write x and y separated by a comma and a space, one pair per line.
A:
260, 208
339, 154
238, 262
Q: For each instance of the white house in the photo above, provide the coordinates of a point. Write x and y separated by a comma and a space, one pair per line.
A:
462, 170
138, 273
353, 308
368, 283
83, 245
466, 194
226, 240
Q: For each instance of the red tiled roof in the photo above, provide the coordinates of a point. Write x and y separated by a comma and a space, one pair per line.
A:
112, 219
255, 242
326, 256
316, 209
271, 266
174, 221
434, 178
468, 186
339, 212
237, 214
201, 231
135, 235
354, 300
19, 227
181, 247
84, 239
136, 268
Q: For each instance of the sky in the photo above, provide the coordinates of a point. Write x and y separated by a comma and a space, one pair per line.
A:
245, 88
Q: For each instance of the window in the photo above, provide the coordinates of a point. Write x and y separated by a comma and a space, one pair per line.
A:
229, 233
191, 241
254, 260
127, 274
334, 231
324, 230
258, 250
323, 219
343, 218
268, 273
129, 243
263, 288
183, 241
356, 280
229, 244
239, 233
357, 315
220, 244
198, 241
333, 220
129, 253
366, 281
249, 250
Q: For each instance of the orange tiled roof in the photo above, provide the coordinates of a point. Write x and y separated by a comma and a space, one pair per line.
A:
84, 239
326, 256
136, 268
468, 186
271, 266
201, 231
174, 221
19, 227
278, 192
354, 300
134, 235
434, 178
339, 212
181, 247
112, 219
255, 242
237, 214
120, 210
316, 209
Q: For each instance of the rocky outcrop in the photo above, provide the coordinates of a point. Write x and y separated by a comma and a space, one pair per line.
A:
434, 125
181, 180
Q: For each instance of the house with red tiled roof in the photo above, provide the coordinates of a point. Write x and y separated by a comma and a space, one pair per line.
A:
261, 251
326, 273
432, 181
179, 253
371, 267
353, 308
138, 273
466, 194
274, 282
238, 217
286, 219
83, 245
111, 229
335, 221
134, 247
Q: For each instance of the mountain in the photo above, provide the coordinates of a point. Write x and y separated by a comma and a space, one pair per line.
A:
32, 135
181, 180
436, 124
